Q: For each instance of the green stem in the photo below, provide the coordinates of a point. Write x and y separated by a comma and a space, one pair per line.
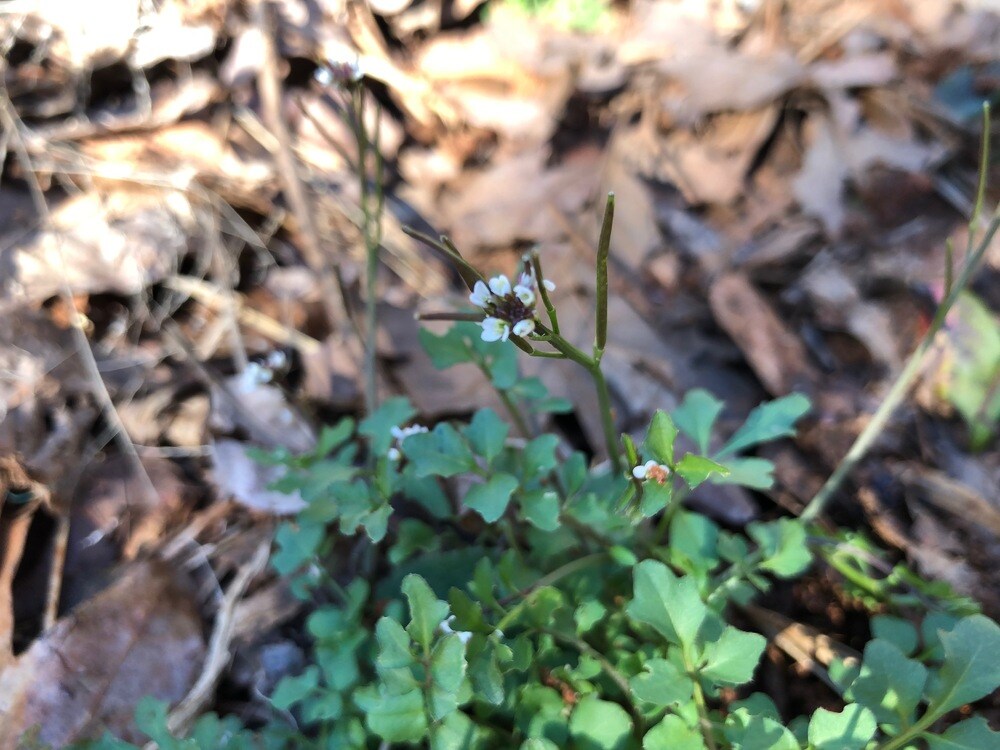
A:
903, 382
550, 309
699, 701
593, 367
912, 733
558, 574
609, 669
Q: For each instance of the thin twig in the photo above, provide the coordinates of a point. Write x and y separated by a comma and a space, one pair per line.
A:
269, 88
200, 694
909, 373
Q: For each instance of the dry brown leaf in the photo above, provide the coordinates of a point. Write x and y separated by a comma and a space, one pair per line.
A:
838, 303
841, 147
775, 353
503, 204
710, 164
142, 636
118, 241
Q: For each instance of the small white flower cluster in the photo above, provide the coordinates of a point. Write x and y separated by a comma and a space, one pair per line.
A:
463, 635
340, 72
652, 470
510, 308
256, 374
400, 434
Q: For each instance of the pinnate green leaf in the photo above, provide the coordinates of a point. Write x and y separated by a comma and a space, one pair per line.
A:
848, 730
660, 438
672, 733
292, 690
447, 673
394, 718
889, 684
661, 683
669, 604
600, 725
696, 469
540, 508
971, 669
441, 452
486, 433
490, 499
696, 415
733, 656
769, 421
783, 544
971, 734
427, 612
393, 645
748, 471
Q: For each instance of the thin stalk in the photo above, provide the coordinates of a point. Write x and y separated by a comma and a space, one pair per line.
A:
556, 575
593, 367
371, 238
550, 309
468, 273
902, 385
905, 379
609, 669
607, 418
699, 701
603, 250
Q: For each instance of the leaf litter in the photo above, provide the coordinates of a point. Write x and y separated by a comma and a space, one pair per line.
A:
786, 185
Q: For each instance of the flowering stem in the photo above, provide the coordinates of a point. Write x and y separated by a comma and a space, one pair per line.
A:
372, 231
468, 273
593, 366
550, 310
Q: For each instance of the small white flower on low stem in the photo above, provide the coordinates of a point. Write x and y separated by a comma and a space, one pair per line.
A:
463, 635
500, 285
481, 295
652, 470
495, 329
526, 294
400, 434
524, 327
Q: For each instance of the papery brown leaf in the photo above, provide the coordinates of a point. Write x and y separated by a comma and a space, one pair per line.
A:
142, 636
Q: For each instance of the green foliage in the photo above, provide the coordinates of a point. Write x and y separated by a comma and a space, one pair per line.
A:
592, 609
971, 367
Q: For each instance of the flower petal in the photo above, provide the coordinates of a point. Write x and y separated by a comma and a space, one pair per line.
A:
480, 296
550, 286
525, 294
639, 472
500, 285
524, 327
495, 329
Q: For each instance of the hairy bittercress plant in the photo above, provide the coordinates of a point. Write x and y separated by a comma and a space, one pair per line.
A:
517, 597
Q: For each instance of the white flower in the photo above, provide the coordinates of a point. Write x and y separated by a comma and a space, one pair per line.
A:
525, 294
394, 454
495, 329
401, 433
277, 360
481, 295
527, 278
652, 470
524, 327
550, 286
500, 285
463, 635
